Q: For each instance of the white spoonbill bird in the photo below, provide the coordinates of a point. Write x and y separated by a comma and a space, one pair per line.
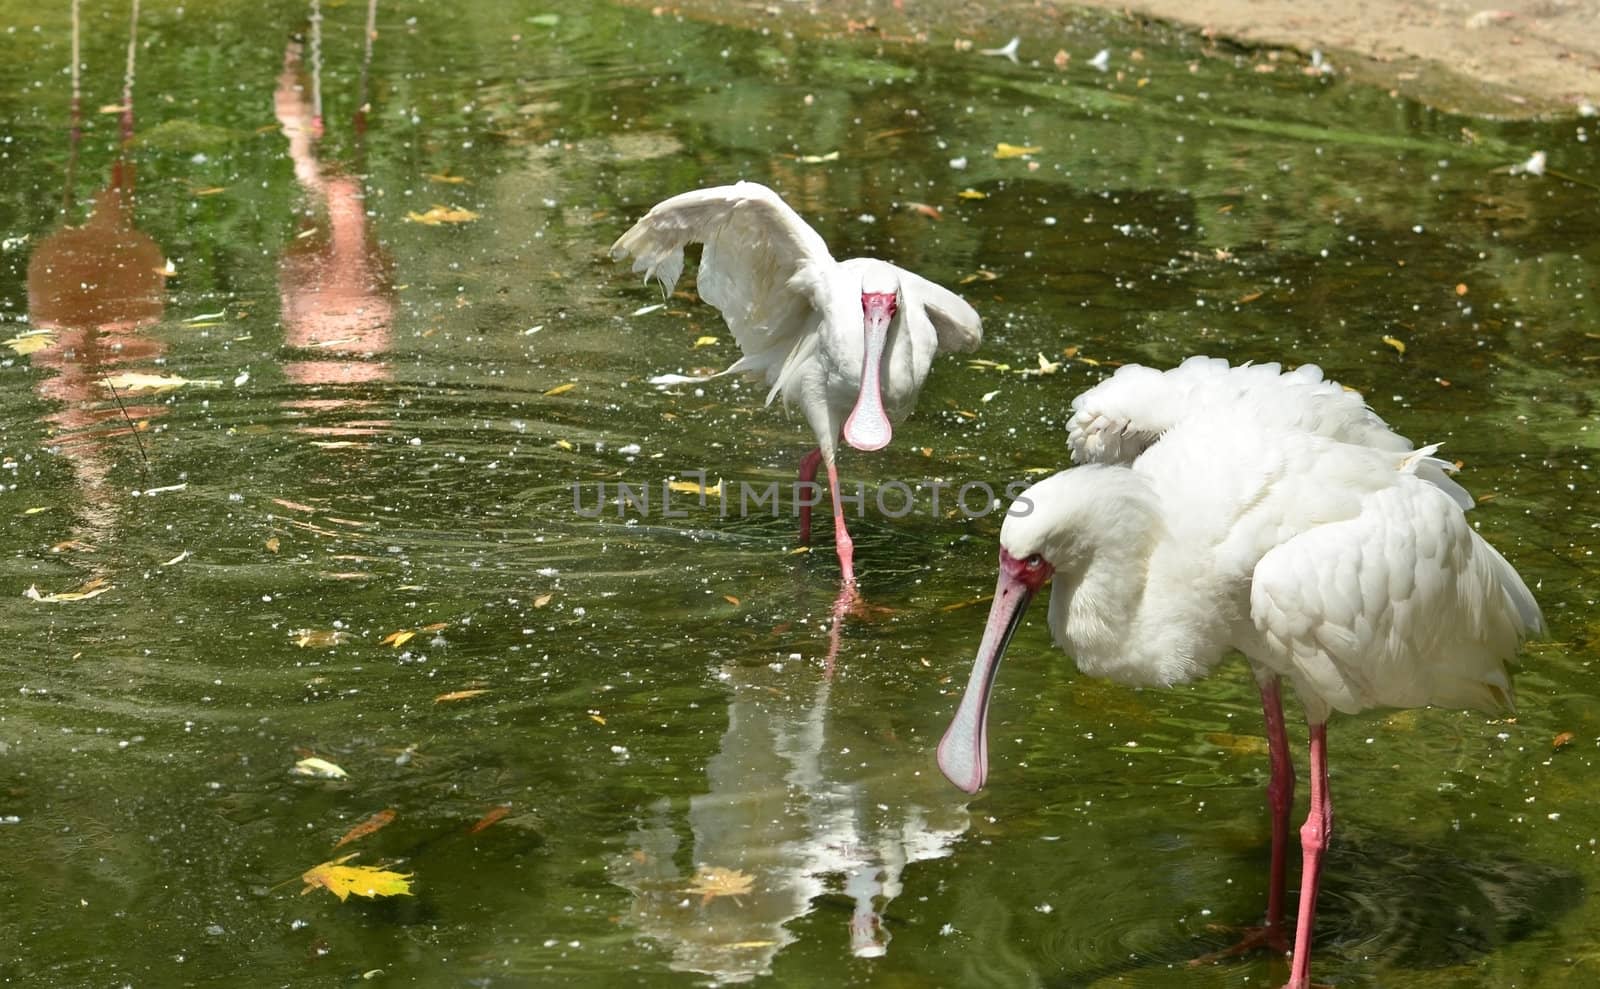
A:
1335, 565
850, 342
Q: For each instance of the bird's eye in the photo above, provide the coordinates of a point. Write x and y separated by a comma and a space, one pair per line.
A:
1033, 562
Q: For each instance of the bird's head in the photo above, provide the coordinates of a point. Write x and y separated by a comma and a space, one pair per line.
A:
868, 427
1028, 550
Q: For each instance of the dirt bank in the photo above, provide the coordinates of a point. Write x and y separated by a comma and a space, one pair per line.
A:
1502, 58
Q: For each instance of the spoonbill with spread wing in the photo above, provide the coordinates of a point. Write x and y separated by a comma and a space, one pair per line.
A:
1344, 567
850, 342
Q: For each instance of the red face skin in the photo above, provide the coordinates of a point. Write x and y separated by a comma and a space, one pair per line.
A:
868, 426
964, 750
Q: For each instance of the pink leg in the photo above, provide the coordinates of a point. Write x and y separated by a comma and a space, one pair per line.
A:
1314, 836
841, 536
1280, 798
808, 476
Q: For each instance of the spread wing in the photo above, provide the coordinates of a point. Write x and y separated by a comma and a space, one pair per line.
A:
1402, 605
763, 268
955, 323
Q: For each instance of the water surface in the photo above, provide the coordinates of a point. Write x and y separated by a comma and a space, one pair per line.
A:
386, 418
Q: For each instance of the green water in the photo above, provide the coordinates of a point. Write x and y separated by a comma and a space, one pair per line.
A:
383, 448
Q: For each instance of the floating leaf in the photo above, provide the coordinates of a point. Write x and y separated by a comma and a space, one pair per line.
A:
818, 159
459, 695
93, 588
1399, 346
694, 488
314, 638
376, 822
397, 639
178, 559
981, 275
714, 881
32, 341
561, 389
1004, 150
647, 310
931, 212
363, 880
444, 178
542, 600
495, 814
971, 194
438, 215
272, 544
320, 769
139, 381
704, 342
1564, 739
731, 600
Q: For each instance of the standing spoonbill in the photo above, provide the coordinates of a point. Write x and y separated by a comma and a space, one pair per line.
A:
850, 342
1335, 565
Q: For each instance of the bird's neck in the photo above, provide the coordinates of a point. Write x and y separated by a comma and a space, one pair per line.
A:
1130, 615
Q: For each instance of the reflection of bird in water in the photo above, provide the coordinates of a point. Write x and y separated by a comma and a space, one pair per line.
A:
1346, 567
96, 287
792, 812
850, 342
335, 280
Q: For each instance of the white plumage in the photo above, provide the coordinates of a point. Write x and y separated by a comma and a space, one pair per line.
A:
1275, 515
1118, 419
850, 342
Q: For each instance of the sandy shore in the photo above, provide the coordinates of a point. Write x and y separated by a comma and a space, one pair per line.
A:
1499, 58
1502, 58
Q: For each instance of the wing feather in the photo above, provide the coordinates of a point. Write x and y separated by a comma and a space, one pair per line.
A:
1401, 606
955, 323
763, 268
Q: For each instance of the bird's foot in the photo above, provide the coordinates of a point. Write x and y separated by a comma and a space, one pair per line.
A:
1269, 938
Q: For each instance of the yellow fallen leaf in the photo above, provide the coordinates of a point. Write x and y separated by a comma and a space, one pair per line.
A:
731, 600
818, 159
694, 488
714, 881
704, 341
178, 559
597, 717
436, 626
36, 510
1399, 346
397, 639
363, 880
376, 822
459, 695
542, 600
438, 215
971, 194
272, 544
981, 275
315, 638
443, 178
31, 342
320, 769
139, 381
561, 389
93, 588
1004, 150
564, 445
